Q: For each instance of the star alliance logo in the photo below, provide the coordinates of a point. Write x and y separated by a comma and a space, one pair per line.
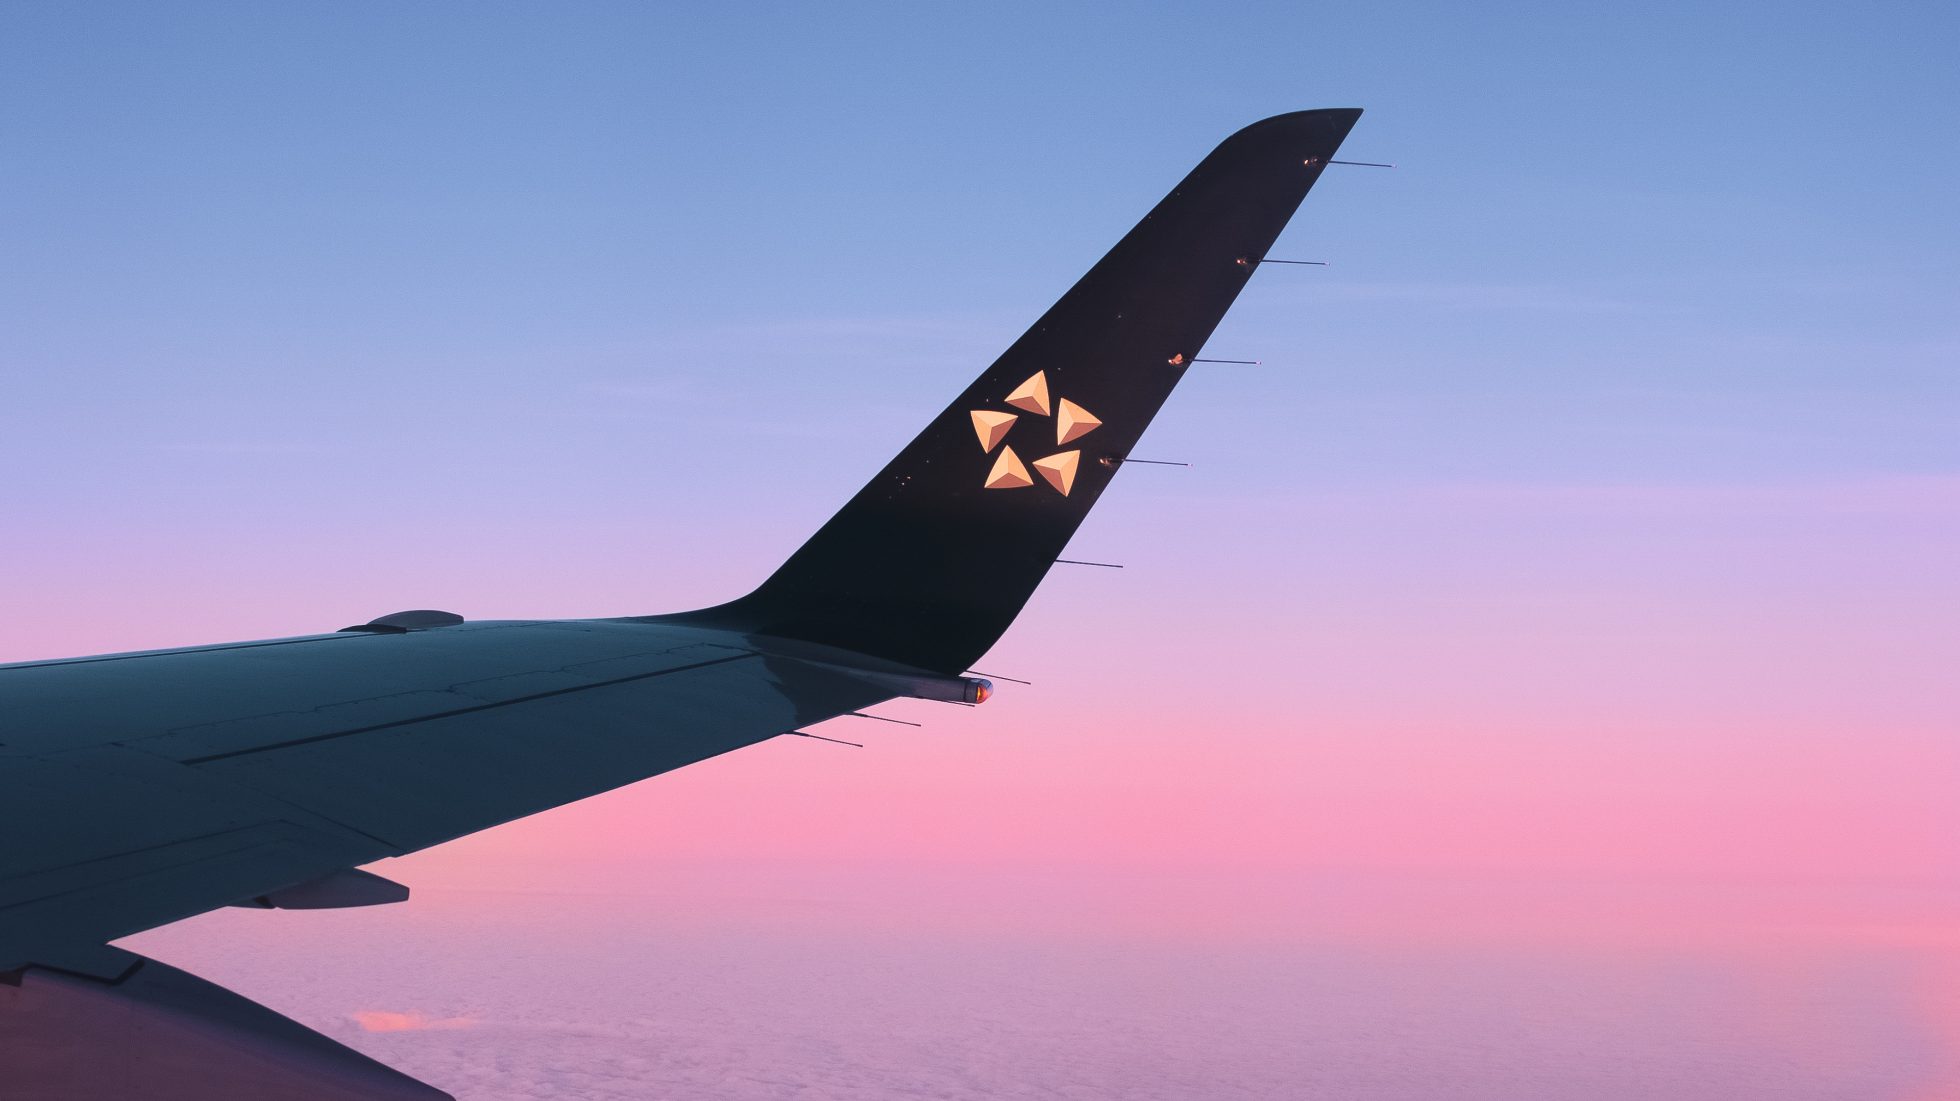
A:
1072, 422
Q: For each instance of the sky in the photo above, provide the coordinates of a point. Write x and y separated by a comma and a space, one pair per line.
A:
1570, 585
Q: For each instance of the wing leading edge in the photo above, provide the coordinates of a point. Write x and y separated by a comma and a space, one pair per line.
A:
145, 788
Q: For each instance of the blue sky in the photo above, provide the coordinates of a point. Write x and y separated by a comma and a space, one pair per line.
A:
283, 274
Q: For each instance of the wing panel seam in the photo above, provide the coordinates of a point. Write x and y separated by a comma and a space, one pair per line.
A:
464, 710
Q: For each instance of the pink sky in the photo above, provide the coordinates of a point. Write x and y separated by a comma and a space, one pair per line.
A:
1726, 684
1625, 720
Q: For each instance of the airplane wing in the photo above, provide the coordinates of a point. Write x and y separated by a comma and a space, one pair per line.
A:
143, 788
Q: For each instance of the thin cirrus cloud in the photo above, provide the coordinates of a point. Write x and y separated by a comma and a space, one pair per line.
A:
387, 1020
1476, 296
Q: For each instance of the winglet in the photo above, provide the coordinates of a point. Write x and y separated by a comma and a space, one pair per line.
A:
932, 560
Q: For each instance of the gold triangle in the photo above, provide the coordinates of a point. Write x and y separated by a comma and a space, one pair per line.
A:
1073, 422
991, 426
1059, 470
1008, 473
1031, 395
